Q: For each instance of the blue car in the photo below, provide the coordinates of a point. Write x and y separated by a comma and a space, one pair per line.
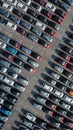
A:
12, 50
5, 111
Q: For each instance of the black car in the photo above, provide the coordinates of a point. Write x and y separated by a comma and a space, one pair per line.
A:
50, 31
46, 13
17, 12
29, 68
66, 49
2, 20
69, 42
42, 18
18, 61
57, 19
15, 92
54, 1
31, 12
70, 2
52, 24
28, 18
8, 105
64, 6
43, 43
60, 13
21, 31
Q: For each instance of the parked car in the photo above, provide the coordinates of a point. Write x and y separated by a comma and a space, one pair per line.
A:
11, 25
8, 80
21, 31
8, 105
44, 93
3, 118
47, 86
29, 68
14, 18
32, 37
64, 6
15, 69
71, 35
7, 6
46, 12
27, 2
30, 116
3, 20
42, 18
4, 62
14, 2
37, 105
22, 80
65, 105
1, 100
58, 93
36, 31
44, 43
15, 92
18, 61
5, 88
17, 12
25, 25
11, 49
37, 127
52, 24
11, 99
35, 6
41, 2
40, 25
3, 69
66, 49
58, 68
57, 19
4, 12
27, 123
50, 6
31, 12
19, 87
68, 98
22, 56
22, 6
22, 127
28, 18
2, 45
47, 37
8, 55
70, 2
15, 43
50, 31
33, 63
5, 111
12, 74
60, 13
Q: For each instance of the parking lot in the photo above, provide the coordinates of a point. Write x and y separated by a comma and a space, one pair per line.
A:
23, 100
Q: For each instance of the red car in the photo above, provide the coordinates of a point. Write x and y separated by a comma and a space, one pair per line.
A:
41, 2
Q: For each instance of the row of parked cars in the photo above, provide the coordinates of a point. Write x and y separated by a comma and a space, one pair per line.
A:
55, 94
19, 54
47, 25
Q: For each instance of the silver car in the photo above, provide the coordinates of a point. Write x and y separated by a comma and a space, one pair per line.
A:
44, 93
5, 63
33, 63
27, 123
3, 69
58, 68
3, 117
19, 87
37, 105
55, 75
15, 69
4, 87
47, 86
40, 99
22, 56
22, 80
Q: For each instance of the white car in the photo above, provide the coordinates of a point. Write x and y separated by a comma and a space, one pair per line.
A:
68, 99
14, 2
55, 75
47, 87
30, 116
58, 68
22, 6
40, 25
13, 26
50, 6
44, 93
58, 93
3, 69
2, 45
1, 100
8, 81
7, 6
